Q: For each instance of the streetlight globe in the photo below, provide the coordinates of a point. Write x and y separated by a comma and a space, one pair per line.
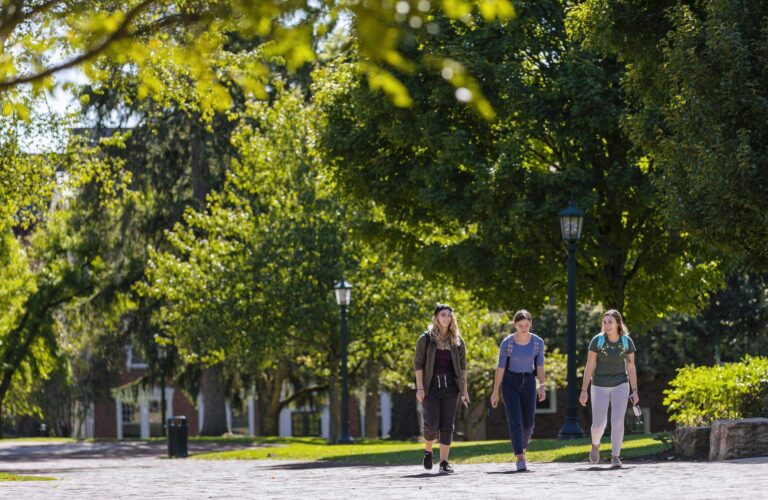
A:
343, 292
571, 219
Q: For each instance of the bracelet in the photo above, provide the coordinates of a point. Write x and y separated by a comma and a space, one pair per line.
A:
419, 389
583, 390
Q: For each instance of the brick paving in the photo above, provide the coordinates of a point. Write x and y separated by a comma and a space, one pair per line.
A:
139, 470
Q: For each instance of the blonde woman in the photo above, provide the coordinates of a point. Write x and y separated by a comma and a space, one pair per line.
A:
440, 364
611, 370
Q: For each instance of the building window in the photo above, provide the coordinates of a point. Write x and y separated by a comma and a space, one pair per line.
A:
133, 360
305, 423
239, 423
155, 418
131, 421
632, 426
549, 405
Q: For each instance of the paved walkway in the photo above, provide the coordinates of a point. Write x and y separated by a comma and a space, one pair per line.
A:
110, 470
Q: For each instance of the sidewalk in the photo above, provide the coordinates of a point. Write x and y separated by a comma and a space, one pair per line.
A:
142, 476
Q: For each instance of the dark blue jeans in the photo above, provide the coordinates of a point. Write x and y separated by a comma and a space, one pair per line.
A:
519, 393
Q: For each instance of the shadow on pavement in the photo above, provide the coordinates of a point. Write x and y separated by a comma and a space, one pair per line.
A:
318, 465
113, 450
511, 472
604, 469
425, 475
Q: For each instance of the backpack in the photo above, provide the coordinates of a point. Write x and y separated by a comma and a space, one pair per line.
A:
511, 344
601, 342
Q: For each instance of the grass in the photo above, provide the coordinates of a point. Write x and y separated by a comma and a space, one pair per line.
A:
7, 476
404, 453
40, 439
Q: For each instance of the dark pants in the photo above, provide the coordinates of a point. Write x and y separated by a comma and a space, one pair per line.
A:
440, 405
519, 393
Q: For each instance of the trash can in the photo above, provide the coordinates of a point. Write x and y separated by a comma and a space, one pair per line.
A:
177, 437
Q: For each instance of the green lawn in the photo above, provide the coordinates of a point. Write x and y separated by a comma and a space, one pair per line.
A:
6, 476
403, 453
43, 440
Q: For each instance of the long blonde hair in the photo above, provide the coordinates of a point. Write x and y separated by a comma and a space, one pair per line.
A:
452, 336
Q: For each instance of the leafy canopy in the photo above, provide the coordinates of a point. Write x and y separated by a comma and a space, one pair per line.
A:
41, 38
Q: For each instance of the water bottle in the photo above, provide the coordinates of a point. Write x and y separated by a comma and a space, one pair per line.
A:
638, 414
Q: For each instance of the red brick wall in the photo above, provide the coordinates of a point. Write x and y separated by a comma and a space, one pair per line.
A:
183, 406
105, 417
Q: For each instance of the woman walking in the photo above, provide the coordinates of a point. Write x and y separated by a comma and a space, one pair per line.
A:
521, 362
440, 363
611, 369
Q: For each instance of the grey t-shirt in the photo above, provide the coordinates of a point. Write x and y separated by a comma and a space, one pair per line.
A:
611, 369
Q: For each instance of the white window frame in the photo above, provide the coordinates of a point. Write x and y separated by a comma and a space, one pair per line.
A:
143, 404
552, 403
129, 360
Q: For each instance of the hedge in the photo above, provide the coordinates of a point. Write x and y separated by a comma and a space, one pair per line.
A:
699, 395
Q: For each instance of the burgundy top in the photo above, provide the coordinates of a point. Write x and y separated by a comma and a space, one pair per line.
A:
443, 362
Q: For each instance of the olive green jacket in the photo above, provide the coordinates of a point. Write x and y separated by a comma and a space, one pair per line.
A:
424, 359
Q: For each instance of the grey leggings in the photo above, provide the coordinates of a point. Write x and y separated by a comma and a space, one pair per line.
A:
617, 397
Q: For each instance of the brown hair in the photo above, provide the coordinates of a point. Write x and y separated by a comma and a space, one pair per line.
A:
619, 320
521, 315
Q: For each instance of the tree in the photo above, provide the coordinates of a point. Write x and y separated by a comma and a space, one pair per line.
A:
41, 38
37, 289
696, 70
478, 200
248, 281
172, 160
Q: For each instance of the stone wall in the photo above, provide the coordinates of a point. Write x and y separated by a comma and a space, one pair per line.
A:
741, 438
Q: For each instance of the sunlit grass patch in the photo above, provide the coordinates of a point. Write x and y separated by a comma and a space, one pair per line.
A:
43, 440
402, 453
7, 476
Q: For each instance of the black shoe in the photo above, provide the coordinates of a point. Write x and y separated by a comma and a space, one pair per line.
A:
445, 467
427, 461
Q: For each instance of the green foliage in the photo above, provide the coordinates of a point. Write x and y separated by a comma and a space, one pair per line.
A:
17, 283
476, 202
153, 37
701, 394
696, 70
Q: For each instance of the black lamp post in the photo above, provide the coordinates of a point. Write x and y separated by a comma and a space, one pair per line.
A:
162, 354
343, 295
570, 225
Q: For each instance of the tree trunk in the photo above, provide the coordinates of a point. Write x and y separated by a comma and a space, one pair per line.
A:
372, 401
198, 168
214, 407
272, 399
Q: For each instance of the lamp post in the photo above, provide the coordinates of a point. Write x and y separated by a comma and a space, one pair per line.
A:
343, 295
162, 354
571, 219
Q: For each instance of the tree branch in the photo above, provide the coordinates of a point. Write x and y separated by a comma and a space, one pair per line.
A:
306, 390
120, 32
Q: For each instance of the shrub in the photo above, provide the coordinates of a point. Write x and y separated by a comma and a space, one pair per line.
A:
700, 394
